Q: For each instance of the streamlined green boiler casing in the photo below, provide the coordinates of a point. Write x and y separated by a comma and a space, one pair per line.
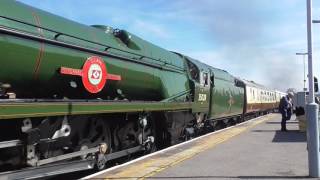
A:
40, 43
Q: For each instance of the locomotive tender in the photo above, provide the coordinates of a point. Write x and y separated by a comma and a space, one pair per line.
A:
89, 94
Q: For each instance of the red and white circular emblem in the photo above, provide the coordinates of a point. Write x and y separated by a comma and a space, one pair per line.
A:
94, 74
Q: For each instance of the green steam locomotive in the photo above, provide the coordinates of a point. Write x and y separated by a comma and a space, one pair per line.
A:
80, 96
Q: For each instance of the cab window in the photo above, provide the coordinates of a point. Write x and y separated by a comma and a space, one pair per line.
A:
194, 71
204, 80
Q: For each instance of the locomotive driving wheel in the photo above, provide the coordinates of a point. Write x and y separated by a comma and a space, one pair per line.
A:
98, 133
149, 136
128, 135
135, 133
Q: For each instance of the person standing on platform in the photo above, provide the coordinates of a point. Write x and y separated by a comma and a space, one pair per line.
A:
285, 108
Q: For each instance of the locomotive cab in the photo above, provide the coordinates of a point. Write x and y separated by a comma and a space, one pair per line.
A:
200, 77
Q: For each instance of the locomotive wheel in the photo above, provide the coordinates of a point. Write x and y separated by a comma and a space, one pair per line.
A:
187, 136
98, 133
131, 135
128, 135
101, 162
150, 131
84, 144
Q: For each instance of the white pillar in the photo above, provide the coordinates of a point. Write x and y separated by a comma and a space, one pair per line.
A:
312, 107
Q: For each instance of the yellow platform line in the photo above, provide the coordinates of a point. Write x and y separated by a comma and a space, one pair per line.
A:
153, 165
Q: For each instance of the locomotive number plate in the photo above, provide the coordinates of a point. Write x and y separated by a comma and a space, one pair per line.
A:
202, 97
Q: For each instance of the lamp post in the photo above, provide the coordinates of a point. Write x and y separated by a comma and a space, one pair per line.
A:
312, 107
304, 69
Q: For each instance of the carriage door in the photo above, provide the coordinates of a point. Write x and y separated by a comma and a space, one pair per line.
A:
202, 92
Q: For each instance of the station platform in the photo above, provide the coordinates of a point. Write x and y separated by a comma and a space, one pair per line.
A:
256, 149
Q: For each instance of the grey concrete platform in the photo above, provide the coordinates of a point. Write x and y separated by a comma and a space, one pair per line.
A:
263, 152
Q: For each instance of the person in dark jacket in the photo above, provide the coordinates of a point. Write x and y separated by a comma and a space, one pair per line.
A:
285, 108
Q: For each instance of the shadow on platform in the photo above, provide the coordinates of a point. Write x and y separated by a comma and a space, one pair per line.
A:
289, 136
288, 122
223, 177
260, 130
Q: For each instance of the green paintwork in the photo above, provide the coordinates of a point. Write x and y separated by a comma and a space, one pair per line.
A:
224, 98
227, 99
30, 64
201, 104
163, 77
10, 110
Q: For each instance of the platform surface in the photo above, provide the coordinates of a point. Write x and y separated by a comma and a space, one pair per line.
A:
254, 150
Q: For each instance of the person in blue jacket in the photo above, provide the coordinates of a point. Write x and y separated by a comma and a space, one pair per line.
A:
285, 108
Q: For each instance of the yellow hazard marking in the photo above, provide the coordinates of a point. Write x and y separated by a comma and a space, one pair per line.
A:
155, 164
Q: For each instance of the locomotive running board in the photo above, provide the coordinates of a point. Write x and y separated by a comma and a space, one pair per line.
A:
24, 108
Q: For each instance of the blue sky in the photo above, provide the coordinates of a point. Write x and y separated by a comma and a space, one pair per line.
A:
253, 39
